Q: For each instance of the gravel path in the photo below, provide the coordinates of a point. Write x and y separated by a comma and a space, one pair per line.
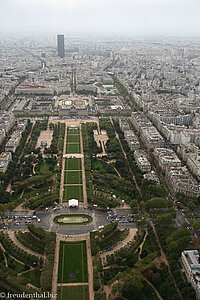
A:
5, 259
20, 262
128, 239
83, 169
15, 240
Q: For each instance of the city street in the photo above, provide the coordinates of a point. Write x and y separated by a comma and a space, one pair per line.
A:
20, 220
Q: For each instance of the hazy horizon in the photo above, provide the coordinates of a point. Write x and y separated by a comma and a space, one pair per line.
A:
117, 17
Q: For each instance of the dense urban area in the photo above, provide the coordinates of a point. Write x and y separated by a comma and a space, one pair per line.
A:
99, 168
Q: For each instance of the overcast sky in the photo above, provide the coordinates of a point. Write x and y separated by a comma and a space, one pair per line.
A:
170, 17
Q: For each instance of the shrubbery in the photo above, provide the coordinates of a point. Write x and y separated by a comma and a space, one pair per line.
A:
29, 241
17, 252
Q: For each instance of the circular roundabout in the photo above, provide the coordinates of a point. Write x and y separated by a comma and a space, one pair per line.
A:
73, 219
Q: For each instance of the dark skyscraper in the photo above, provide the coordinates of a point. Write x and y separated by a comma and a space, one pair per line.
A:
61, 48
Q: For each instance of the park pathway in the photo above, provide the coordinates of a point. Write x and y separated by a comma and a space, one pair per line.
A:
55, 267
20, 262
63, 167
83, 168
153, 287
165, 259
142, 244
9, 187
128, 239
133, 176
117, 172
5, 258
15, 240
72, 284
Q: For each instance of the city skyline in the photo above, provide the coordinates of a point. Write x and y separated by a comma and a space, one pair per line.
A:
100, 163
146, 17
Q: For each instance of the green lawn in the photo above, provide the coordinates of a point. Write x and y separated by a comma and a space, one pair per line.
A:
72, 262
73, 138
73, 130
73, 192
73, 177
73, 292
34, 277
44, 168
73, 148
73, 164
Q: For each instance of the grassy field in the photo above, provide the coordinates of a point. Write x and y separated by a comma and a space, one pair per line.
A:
72, 164
34, 277
73, 148
44, 168
73, 292
73, 138
73, 192
72, 262
73, 177
72, 130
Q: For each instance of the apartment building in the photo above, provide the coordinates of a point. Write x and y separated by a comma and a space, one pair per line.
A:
5, 158
166, 158
193, 163
152, 138
185, 150
123, 123
13, 142
139, 120
152, 176
132, 139
142, 161
21, 125
27, 89
191, 155
179, 179
7, 121
2, 135
190, 262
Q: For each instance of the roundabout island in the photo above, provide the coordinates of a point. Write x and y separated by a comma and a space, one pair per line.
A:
72, 219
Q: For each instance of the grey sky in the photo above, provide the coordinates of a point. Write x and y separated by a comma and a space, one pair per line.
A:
173, 17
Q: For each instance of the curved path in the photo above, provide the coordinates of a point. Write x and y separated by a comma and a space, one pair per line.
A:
5, 258
20, 262
15, 240
128, 239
